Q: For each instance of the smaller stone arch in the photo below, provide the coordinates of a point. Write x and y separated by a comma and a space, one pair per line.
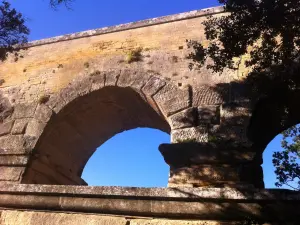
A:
272, 115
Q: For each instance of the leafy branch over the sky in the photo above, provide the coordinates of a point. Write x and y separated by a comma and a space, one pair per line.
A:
12, 29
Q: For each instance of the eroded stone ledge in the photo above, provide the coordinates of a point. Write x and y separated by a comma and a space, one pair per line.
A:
136, 192
128, 26
192, 203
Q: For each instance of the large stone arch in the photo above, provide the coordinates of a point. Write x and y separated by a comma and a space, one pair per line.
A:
39, 134
65, 131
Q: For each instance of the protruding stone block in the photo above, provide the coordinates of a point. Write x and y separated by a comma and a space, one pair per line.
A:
209, 115
210, 95
205, 175
229, 133
232, 115
171, 99
187, 154
193, 134
183, 119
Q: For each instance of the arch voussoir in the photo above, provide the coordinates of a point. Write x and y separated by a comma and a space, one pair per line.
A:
171, 99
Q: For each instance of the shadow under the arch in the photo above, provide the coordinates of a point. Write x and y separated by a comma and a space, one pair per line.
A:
72, 135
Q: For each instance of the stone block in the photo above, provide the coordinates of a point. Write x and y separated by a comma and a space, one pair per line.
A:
35, 128
83, 86
193, 134
6, 109
232, 114
56, 102
11, 144
10, 217
6, 127
187, 154
183, 119
43, 113
210, 95
98, 80
111, 77
132, 78
69, 93
209, 115
19, 126
228, 133
10, 173
13, 160
171, 99
153, 85
24, 110
204, 175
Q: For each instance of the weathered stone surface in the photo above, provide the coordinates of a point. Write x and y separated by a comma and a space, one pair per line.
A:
19, 126
10, 173
34, 128
83, 86
43, 113
6, 108
98, 80
204, 175
210, 95
9, 217
13, 160
111, 77
24, 110
229, 133
209, 115
56, 103
250, 194
183, 119
11, 144
153, 85
177, 203
193, 134
177, 222
171, 99
187, 154
232, 114
132, 78
69, 93
6, 127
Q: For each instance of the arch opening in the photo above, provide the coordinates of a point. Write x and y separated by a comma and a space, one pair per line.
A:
283, 151
131, 159
72, 136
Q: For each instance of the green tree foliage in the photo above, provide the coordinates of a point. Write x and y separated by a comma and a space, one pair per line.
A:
286, 161
269, 32
12, 29
55, 3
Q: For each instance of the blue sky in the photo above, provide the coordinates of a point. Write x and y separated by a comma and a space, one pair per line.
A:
130, 158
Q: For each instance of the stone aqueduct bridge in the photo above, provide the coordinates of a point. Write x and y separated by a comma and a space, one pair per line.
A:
65, 96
